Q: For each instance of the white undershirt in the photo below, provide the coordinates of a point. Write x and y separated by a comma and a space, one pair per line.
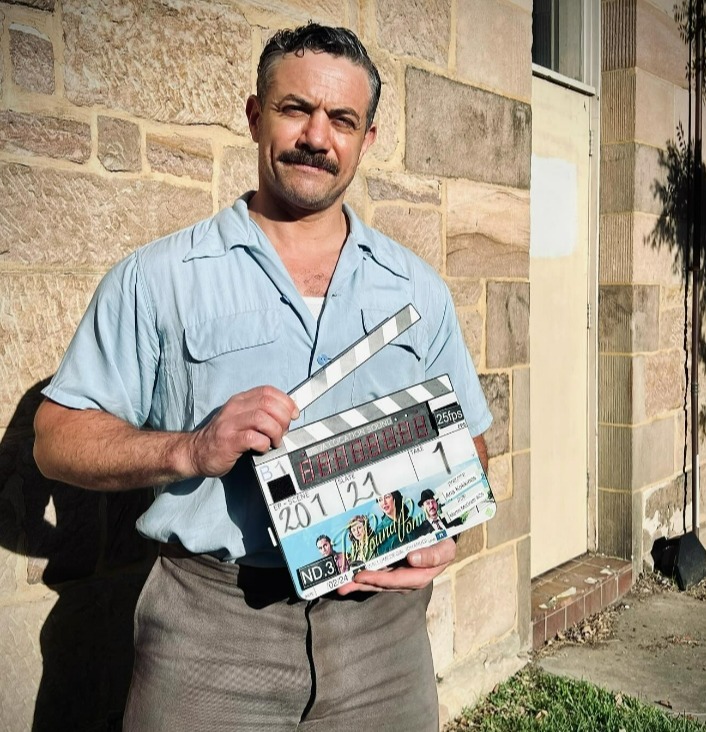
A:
315, 305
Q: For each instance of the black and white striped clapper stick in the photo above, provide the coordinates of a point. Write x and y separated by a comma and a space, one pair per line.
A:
355, 355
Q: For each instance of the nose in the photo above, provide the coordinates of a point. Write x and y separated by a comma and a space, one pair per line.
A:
316, 132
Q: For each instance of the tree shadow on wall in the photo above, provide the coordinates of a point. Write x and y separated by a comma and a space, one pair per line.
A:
674, 229
83, 545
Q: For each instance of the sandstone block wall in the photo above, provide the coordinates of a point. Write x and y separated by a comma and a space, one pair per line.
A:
123, 120
644, 320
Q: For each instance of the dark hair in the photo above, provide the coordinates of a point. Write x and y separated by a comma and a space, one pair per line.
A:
397, 498
319, 39
323, 536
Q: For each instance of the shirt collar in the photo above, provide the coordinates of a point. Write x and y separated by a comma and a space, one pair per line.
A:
232, 227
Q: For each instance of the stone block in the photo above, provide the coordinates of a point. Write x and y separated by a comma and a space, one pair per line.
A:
512, 519
391, 186
471, 323
119, 144
357, 195
653, 93
630, 176
271, 15
419, 29
418, 229
238, 174
617, 35
507, 324
38, 4
650, 174
465, 291
470, 543
665, 508
32, 59
524, 593
487, 230
72, 654
617, 402
659, 49
485, 610
496, 388
628, 318
500, 477
664, 382
40, 313
180, 156
59, 525
21, 664
440, 623
617, 194
520, 409
79, 219
614, 523
2, 69
184, 63
615, 262
637, 247
507, 29
630, 458
656, 259
475, 134
389, 114
618, 115
54, 137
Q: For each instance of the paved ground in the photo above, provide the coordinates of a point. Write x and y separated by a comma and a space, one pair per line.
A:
653, 648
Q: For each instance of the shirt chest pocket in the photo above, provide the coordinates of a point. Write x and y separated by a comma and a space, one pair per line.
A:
232, 354
398, 365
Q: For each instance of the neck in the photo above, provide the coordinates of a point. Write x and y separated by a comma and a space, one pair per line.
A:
308, 243
300, 232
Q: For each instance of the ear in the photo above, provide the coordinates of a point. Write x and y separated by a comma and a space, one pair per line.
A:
368, 140
253, 112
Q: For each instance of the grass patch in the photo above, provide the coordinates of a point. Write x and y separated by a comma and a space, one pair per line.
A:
534, 700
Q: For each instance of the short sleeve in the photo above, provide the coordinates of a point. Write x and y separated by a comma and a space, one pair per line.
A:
111, 363
448, 355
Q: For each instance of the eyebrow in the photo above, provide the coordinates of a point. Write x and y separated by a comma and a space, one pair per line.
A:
308, 105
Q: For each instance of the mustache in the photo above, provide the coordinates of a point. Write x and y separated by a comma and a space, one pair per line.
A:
300, 156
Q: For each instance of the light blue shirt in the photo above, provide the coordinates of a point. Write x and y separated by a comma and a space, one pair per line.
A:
184, 323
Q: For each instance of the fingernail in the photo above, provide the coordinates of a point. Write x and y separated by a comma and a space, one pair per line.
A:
414, 558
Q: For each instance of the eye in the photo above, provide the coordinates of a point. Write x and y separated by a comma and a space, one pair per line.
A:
345, 123
292, 110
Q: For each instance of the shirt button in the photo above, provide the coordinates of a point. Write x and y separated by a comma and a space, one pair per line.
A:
322, 359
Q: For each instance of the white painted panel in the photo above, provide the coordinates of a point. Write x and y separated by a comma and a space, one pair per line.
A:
559, 205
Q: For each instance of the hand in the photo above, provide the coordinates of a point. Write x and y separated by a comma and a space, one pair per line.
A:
422, 566
252, 420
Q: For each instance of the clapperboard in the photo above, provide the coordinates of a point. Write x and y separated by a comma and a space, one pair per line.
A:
362, 488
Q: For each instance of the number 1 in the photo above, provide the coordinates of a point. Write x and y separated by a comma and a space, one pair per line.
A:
440, 449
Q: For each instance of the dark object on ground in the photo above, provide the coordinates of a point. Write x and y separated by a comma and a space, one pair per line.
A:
682, 558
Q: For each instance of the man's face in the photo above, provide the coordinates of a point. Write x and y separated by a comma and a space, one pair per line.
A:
431, 508
324, 546
310, 130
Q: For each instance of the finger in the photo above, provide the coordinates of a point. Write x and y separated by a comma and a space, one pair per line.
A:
442, 553
399, 579
275, 399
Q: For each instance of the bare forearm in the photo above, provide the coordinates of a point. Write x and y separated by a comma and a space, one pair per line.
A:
95, 450
482, 450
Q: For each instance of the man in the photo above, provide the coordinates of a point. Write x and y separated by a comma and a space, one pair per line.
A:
325, 547
198, 337
433, 522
